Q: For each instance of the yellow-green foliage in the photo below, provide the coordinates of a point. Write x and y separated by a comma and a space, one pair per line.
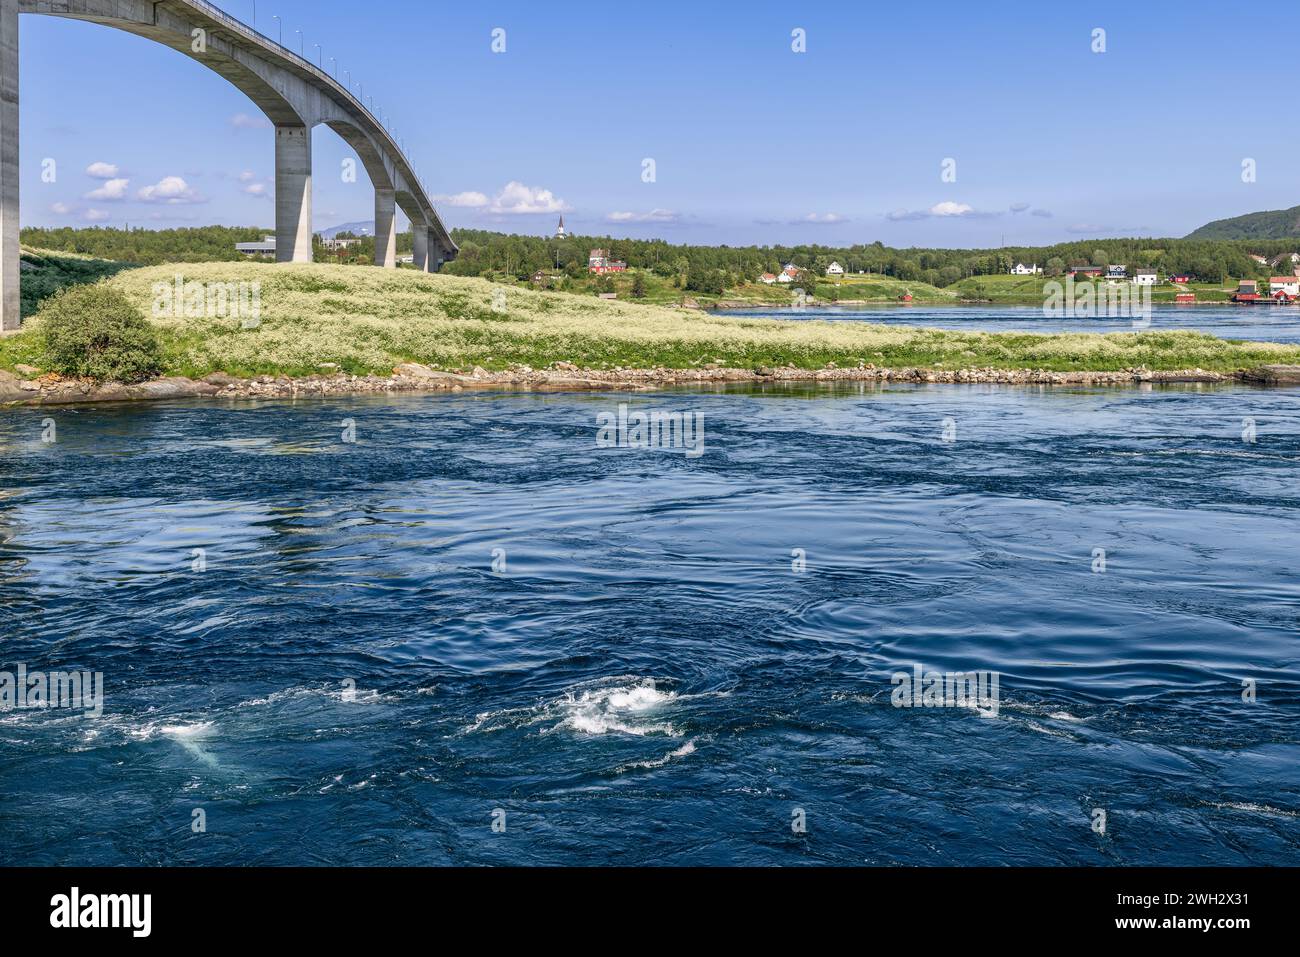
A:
368, 320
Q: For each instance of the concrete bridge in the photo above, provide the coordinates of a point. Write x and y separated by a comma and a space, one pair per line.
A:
295, 95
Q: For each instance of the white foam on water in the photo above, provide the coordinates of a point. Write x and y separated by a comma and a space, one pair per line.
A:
332, 692
620, 705
686, 749
186, 735
620, 709
1253, 808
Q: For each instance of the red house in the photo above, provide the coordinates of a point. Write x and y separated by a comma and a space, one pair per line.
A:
598, 262
1181, 280
1089, 271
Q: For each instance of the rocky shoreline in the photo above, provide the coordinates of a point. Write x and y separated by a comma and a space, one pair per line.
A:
32, 388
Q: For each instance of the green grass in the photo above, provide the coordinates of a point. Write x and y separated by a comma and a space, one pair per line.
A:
368, 320
1029, 289
661, 291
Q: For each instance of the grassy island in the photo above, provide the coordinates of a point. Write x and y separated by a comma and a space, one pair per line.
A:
363, 320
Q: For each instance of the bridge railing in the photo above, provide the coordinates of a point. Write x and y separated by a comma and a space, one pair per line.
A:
252, 33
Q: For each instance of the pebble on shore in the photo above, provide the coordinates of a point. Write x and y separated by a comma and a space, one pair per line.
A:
414, 377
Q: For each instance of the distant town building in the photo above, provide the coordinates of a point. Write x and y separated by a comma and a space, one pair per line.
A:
1145, 277
835, 269
337, 245
599, 263
1287, 261
1022, 269
265, 248
1284, 286
560, 231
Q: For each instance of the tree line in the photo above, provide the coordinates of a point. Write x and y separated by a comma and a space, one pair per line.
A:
702, 268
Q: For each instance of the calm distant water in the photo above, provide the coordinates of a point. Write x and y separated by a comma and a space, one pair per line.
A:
648, 680
1256, 323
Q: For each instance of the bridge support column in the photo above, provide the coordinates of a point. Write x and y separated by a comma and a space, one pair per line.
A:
293, 194
10, 257
386, 228
421, 234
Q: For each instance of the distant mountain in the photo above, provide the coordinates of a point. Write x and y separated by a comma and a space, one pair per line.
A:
1270, 224
360, 229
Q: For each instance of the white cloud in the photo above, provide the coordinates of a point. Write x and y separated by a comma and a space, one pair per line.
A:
62, 209
654, 216
256, 189
516, 199
1019, 207
171, 190
247, 176
102, 171
513, 199
242, 121
95, 216
946, 209
466, 200
827, 219
111, 191
949, 208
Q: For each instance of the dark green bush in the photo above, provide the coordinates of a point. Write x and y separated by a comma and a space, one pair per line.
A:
95, 332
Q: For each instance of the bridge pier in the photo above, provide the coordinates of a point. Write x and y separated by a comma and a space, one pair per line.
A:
386, 228
293, 233
10, 255
421, 235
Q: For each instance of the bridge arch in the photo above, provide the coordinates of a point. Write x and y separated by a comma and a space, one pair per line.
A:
294, 94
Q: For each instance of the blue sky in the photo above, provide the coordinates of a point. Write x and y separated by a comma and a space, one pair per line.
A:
752, 142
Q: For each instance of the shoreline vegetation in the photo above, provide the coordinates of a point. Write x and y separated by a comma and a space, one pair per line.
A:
326, 329
709, 277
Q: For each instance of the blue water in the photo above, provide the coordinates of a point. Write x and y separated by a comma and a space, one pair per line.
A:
648, 680
1255, 323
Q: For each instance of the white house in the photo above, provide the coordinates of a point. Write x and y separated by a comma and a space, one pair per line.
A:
265, 248
790, 273
1287, 261
785, 277
1144, 277
1020, 269
835, 269
1288, 285
1117, 272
